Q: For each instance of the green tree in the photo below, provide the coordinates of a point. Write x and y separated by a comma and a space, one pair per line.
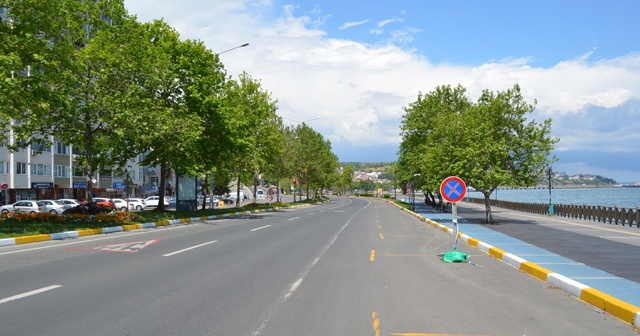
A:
252, 128
77, 87
500, 146
487, 144
425, 131
346, 178
182, 83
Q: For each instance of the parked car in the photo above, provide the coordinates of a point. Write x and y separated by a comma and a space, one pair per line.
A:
53, 207
104, 202
172, 202
119, 204
22, 206
218, 201
152, 202
136, 203
69, 203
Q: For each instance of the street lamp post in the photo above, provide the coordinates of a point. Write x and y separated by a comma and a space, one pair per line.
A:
413, 189
550, 175
240, 46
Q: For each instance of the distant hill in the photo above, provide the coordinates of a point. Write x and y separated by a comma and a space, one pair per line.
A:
560, 179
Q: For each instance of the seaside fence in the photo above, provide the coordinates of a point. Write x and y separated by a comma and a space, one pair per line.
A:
597, 213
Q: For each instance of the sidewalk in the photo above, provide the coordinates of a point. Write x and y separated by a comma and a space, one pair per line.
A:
560, 251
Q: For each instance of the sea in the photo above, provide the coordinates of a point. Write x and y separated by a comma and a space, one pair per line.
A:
622, 197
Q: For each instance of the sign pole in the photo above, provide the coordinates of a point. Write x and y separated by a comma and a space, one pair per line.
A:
454, 214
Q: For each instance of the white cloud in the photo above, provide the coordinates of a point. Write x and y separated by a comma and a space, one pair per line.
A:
353, 24
388, 21
358, 90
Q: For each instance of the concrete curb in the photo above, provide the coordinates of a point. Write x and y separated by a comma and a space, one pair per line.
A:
626, 312
128, 227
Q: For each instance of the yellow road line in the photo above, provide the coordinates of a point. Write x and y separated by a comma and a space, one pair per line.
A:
381, 236
372, 257
376, 323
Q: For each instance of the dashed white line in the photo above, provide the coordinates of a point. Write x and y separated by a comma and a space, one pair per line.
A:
33, 292
187, 249
293, 218
260, 228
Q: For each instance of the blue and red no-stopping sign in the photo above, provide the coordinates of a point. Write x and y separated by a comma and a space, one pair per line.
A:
453, 189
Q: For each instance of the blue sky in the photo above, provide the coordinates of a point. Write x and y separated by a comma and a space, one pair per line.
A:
348, 67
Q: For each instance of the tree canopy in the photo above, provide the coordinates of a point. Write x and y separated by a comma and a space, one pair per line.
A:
488, 143
113, 88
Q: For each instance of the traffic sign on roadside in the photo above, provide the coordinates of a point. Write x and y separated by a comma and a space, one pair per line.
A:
453, 189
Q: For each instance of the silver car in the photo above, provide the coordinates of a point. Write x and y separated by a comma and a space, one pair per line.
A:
22, 206
69, 203
53, 207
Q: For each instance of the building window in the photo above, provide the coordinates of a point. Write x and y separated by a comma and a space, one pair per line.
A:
61, 171
21, 168
154, 179
61, 148
40, 147
40, 169
105, 174
140, 173
4, 167
77, 151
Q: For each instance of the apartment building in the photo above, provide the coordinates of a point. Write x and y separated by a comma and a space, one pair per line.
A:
48, 172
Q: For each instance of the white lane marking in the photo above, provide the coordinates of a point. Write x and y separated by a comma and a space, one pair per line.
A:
121, 234
296, 284
33, 292
260, 228
293, 218
311, 213
187, 249
342, 205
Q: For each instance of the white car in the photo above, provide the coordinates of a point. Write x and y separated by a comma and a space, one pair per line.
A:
53, 207
152, 202
22, 206
119, 204
136, 203
69, 203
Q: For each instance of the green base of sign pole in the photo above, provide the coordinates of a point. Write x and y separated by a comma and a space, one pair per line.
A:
454, 256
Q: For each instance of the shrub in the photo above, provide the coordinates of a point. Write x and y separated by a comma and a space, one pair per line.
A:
92, 208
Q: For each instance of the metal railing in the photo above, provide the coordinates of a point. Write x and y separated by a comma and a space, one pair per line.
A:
597, 213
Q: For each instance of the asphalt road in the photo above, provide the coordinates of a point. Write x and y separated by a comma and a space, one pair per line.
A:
348, 267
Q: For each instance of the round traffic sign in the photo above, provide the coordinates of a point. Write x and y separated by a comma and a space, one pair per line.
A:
4, 186
453, 189
270, 198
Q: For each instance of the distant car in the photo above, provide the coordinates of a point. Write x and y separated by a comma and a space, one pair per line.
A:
53, 207
136, 203
22, 206
104, 202
69, 203
152, 202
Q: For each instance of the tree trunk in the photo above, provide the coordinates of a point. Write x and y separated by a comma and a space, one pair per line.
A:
161, 189
487, 206
238, 192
